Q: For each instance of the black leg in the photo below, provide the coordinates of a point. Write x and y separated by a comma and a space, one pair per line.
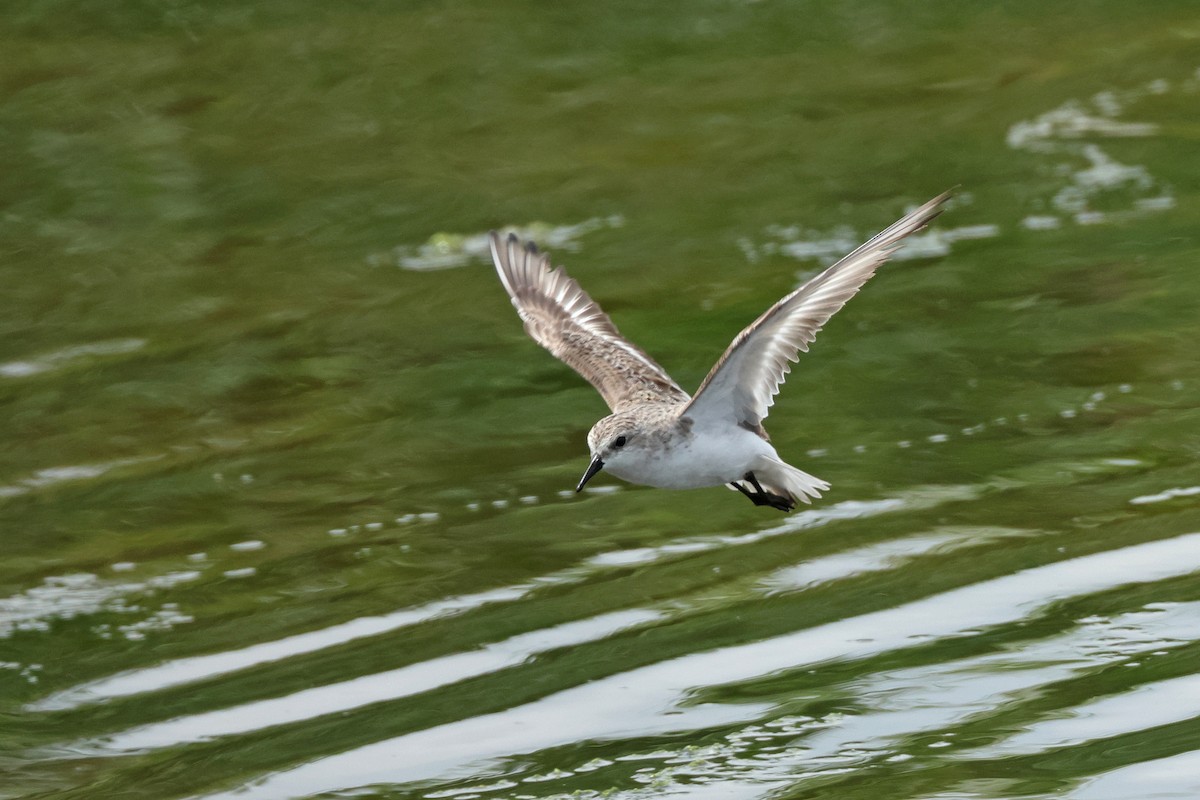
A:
758, 498
761, 497
754, 482
744, 491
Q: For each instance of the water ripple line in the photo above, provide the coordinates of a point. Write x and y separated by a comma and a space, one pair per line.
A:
656, 699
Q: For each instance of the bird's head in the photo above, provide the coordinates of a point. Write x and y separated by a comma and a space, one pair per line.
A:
609, 441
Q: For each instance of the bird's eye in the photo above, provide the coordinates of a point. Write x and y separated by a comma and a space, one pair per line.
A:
619, 441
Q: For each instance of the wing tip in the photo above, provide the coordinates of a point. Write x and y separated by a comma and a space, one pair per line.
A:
505, 251
931, 209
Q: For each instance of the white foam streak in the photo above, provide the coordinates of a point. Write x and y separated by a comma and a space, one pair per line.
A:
1169, 494
52, 476
446, 250
59, 358
1072, 121
79, 594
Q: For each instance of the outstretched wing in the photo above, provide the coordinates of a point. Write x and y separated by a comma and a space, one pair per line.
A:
742, 386
560, 316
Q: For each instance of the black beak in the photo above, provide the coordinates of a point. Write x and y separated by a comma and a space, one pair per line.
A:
592, 469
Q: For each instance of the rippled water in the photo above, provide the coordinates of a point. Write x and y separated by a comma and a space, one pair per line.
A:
286, 494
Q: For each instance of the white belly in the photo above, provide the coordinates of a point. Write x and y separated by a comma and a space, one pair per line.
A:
692, 463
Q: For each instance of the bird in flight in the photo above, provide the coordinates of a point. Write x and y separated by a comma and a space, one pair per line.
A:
660, 436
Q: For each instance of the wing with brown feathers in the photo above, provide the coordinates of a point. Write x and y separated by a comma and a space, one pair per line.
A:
561, 317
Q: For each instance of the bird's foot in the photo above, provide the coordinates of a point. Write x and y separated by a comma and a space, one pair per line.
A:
761, 497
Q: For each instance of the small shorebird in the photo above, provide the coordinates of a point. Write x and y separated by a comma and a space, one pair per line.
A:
659, 436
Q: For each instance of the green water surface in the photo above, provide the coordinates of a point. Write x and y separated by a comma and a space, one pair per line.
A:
285, 490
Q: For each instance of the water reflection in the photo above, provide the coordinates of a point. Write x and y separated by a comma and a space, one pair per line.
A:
1147, 706
1173, 778
182, 671
654, 700
376, 688
174, 673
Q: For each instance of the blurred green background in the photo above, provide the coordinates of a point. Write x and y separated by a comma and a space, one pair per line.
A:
285, 492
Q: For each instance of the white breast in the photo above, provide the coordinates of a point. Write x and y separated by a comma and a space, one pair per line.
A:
703, 459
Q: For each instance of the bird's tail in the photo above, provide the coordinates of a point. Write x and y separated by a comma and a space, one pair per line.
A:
789, 483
